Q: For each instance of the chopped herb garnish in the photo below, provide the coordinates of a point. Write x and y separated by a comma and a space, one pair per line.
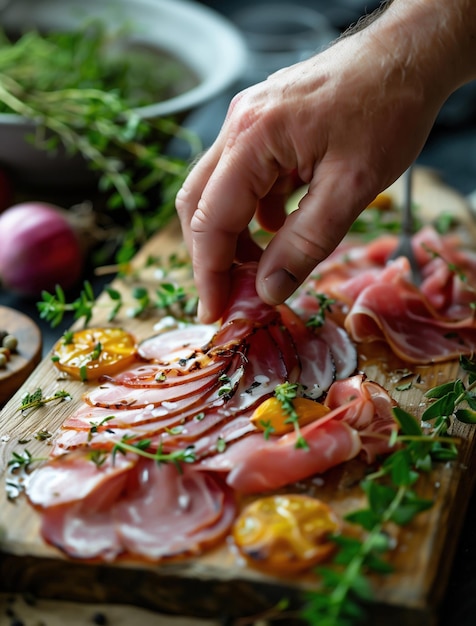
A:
37, 399
176, 430
404, 386
226, 388
325, 306
143, 446
43, 435
286, 393
221, 444
68, 337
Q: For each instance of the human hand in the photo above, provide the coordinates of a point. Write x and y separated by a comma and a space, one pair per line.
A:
347, 122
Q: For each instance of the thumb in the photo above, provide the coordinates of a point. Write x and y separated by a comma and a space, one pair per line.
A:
311, 232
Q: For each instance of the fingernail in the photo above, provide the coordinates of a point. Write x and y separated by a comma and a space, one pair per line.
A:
277, 287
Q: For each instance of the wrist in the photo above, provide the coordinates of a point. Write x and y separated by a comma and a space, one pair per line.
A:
433, 39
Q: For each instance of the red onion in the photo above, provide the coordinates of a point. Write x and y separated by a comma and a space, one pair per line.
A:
39, 249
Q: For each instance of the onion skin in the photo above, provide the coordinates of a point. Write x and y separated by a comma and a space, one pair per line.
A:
39, 249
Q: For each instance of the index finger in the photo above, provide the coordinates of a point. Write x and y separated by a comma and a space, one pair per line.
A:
225, 209
215, 221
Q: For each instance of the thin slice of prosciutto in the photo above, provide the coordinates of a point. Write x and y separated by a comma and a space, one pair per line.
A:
196, 387
360, 421
140, 509
377, 301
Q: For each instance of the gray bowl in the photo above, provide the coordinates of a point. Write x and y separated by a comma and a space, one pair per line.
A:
207, 43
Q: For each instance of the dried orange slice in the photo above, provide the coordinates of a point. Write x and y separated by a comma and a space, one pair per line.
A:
91, 353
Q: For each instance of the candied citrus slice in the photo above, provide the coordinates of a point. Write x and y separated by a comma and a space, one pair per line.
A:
285, 533
91, 353
271, 417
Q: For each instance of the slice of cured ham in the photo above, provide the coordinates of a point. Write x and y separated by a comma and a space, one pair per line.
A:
178, 347
195, 511
360, 420
395, 312
316, 359
378, 301
112, 396
75, 497
196, 388
135, 508
255, 464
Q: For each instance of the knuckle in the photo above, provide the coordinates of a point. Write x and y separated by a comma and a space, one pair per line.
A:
182, 201
200, 219
315, 244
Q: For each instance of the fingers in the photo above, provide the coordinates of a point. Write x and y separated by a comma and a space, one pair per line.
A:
215, 206
189, 195
311, 233
211, 269
271, 210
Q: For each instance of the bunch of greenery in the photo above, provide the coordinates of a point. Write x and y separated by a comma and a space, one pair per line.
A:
83, 99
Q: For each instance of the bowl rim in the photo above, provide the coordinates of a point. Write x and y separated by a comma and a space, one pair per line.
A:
211, 85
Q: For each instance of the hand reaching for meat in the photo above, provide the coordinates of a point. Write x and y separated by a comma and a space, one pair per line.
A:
347, 122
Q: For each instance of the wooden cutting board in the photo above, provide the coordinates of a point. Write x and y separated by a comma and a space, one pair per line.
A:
218, 584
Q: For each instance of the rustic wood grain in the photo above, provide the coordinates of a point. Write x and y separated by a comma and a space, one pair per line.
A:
218, 583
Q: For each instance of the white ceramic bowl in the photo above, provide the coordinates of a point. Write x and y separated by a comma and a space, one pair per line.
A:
207, 43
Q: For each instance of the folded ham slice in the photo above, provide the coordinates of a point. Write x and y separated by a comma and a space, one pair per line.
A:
138, 508
360, 421
196, 387
377, 301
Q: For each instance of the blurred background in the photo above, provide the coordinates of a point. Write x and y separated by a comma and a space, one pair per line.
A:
278, 33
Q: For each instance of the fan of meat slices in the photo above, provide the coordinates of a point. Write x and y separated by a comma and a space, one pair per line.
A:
376, 300
192, 397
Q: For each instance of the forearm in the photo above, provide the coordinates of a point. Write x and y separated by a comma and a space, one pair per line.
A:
434, 38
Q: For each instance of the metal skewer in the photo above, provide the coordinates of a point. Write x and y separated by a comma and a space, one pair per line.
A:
404, 246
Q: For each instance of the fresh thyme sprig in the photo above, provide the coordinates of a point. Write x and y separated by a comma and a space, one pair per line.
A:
19, 466
36, 399
391, 497
325, 306
95, 426
53, 306
166, 298
23, 461
142, 448
80, 100
373, 222
285, 394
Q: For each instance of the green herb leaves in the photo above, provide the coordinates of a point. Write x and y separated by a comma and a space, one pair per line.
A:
143, 448
84, 99
167, 297
285, 394
36, 399
391, 496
